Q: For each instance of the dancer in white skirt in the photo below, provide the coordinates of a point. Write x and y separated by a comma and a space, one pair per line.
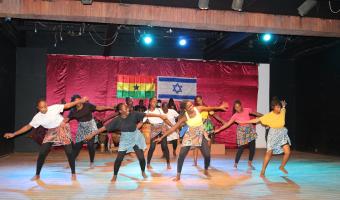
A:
172, 116
278, 141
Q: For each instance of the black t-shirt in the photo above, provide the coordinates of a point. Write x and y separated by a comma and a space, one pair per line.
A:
84, 114
140, 108
128, 124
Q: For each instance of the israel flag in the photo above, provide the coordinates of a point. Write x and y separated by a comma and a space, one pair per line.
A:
177, 88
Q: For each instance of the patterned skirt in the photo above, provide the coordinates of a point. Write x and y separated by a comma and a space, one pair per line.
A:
208, 126
84, 129
245, 134
59, 136
129, 139
277, 137
194, 136
156, 130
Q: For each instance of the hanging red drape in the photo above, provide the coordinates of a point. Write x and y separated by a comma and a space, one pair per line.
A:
96, 77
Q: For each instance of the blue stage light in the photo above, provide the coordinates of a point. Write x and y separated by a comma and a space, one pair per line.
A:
147, 39
266, 37
182, 42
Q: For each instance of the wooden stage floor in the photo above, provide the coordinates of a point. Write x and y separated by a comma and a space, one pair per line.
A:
311, 176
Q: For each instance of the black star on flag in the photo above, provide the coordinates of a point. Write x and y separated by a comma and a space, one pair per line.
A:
136, 87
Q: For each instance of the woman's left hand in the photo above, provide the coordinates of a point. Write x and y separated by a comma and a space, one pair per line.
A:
224, 106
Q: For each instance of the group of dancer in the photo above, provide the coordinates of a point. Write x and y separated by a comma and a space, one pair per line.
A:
165, 122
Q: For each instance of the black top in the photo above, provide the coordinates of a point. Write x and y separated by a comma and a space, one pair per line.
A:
84, 114
140, 108
128, 124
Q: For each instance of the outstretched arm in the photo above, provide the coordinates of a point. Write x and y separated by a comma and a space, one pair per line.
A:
252, 121
225, 125
163, 117
257, 114
224, 106
22, 130
72, 104
94, 133
103, 108
172, 129
218, 118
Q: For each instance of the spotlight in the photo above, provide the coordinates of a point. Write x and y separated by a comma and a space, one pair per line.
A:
266, 37
203, 4
237, 5
147, 39
86, 2
306, 6
182, 42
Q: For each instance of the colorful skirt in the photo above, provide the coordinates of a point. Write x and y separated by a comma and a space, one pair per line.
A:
59, 136
84, 129
245, 134
194, 136
129, 139
277, 138
156, 130
208, 126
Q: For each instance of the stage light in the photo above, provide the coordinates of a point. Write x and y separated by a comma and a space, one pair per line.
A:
266, 37
182, 42
86, 2
306, 6
147, 39
203, 4
237, 5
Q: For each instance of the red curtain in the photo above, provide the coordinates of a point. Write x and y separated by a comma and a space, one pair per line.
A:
96, 77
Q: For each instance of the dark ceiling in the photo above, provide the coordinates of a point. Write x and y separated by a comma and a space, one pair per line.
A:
210, 45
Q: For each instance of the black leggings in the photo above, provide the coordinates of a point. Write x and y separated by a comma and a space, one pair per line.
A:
205, 150
45, 149
251, 151
91, 147
120, 157
174, 144
165, 149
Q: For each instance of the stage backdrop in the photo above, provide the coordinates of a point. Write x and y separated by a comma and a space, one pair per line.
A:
96, 77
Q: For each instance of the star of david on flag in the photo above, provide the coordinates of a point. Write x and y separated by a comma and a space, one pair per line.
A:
178, 88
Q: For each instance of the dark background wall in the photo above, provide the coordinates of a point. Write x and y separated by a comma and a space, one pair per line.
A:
7, 88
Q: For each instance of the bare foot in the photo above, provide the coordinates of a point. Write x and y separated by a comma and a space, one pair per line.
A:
149, 166
235, 165
36, 177
74, 177
114, 178
283, 170
178, 178
144, 175
250, 165
91, 165
262, 174
168, 166
206, 172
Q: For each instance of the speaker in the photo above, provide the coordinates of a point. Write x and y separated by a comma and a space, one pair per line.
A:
86, 2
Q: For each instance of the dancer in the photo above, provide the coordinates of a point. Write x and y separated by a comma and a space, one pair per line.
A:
157, 127
172, 105
207, 123
196, 136
246, 134
140, 107
131, 138
172, 116
278, 141
58, 132
83, 114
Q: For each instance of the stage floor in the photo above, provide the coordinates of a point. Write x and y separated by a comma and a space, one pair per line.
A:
310, 176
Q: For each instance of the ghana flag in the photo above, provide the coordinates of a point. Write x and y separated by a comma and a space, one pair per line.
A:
141, 87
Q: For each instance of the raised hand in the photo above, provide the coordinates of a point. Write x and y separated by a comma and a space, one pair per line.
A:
224, 106
9, 135
84, 99
283, 103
